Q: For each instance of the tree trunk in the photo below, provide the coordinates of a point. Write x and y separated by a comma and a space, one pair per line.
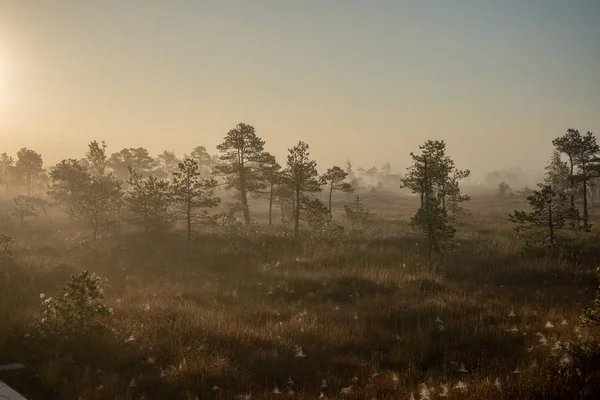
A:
572, 184
297, 213
95, 226
585, 206
330, 193
28, 183
189, 221
551, 225
271, 206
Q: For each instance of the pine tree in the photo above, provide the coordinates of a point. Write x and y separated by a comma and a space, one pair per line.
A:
29, 165
334, 179
69, 181
24, 208
96, 158
550, 214
356, 213
302, 177
557, 173
205, 161
6, 169
241, 154
192, 192
151, 199
432, 222
435, 179
270, 171
569, 144
584, 159
167, 163
100, 203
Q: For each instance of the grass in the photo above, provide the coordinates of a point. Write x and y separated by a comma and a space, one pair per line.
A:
252, 312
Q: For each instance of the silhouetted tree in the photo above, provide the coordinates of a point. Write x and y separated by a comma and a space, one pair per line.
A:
205, 161
585, 157
24, 207
136, 158
69, 181
100, 203
432, 222
302, 177
167, 163
356, 213
551, 213
6, 170
150, 198
351, 176
29, 165
193, 193
504, 189
334, 179
433, 174
435, 178
557, 173
371, 173
241, 154
96, 159
270, 172
570, 144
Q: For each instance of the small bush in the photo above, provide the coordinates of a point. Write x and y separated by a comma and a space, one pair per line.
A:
78, 310
5, 250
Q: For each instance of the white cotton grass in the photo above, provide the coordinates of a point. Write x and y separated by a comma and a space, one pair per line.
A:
299, 352
444, 390
424, 392
460, 385
346, 390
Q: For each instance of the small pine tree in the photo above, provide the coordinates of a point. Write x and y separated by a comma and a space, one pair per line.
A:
100, 203
78, 310
433, 223
334, 179
192, 192
151, 199
25, 208
356, 213
504, 189
551, 213
557, 173
302, 177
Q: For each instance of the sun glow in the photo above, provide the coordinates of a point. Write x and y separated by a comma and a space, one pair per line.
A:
3, 76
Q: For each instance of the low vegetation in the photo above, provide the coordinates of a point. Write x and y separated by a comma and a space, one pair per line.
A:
127, 284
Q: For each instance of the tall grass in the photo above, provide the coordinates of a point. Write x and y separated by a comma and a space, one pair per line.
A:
259, 312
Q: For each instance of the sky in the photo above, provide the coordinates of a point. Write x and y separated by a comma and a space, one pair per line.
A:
362, 80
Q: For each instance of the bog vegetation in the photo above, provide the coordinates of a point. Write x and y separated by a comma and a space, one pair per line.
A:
235, 275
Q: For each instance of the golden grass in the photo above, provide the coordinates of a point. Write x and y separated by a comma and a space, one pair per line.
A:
232, 312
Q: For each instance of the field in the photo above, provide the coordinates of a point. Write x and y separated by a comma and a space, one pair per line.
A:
260, 313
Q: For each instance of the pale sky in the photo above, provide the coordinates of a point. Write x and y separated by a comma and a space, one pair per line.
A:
368, 80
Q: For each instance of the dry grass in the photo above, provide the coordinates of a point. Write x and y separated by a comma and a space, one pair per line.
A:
232, 312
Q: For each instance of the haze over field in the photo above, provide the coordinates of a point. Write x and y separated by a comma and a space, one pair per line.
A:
368, 81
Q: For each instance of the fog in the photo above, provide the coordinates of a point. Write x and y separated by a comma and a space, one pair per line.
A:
355, 81
306, 199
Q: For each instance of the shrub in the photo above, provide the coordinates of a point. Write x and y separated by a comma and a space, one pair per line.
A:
78, 310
